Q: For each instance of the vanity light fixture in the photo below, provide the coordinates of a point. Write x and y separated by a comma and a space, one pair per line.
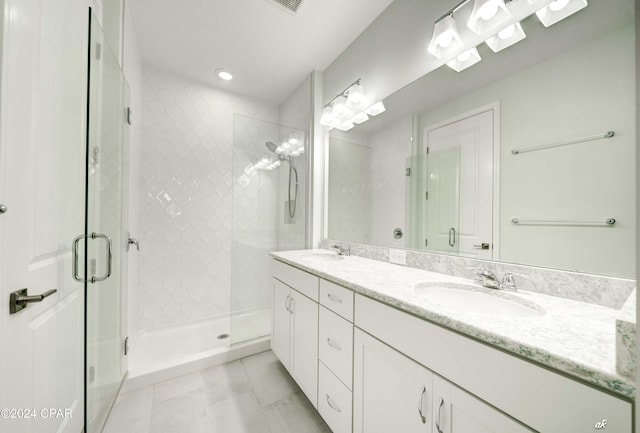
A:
355, 95
359, 118
224, 74
340, 110
487, 15
345, 126
465, 59
349, 107
486, 18
558, 10
446, 38
375, 109
506, 37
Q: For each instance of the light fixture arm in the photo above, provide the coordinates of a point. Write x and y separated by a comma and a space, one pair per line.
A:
345, 92
459, 6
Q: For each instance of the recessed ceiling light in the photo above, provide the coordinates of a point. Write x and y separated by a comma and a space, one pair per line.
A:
224, 74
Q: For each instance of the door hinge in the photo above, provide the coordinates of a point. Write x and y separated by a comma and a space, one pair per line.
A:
126, 346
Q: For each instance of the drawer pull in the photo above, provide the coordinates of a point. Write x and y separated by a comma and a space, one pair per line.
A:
333, 344
334, 298
332, 404
421, 405
438, 419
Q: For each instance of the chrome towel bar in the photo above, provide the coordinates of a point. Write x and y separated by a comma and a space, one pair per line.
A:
607, 134
607, 221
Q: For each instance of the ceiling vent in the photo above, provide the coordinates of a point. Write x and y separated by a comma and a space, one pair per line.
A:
290, 5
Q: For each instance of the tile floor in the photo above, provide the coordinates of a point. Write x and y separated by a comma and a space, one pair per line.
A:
251, 395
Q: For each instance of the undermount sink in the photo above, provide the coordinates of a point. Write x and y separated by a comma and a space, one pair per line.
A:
473, 299
324, 256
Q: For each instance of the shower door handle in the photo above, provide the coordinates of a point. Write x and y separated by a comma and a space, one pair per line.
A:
93, 279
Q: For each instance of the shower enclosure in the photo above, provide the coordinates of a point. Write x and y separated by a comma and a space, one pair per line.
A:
102, 268
269, 207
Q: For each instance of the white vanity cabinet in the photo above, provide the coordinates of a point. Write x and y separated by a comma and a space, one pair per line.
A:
391, 392
371, 368
294, 334
335, 352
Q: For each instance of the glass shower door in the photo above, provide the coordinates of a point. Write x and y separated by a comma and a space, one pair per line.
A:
268, 213
442, 216
104, 231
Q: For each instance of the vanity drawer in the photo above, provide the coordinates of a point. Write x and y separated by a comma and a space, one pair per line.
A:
302, 281
334, 401
337, 298
336, 345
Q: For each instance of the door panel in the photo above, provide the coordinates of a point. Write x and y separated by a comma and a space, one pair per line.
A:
280, 323
474, 137
42, 154
391, 393
104, 238
304, 345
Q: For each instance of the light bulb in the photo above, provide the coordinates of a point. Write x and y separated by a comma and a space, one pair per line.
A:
506, 33
327, 118
340, 109
375, 109
488, 10
444, 39
360, 118
558, 5
463, 57
356, 95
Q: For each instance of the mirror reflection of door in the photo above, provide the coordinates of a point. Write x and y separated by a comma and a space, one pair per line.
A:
471, 139
442, 200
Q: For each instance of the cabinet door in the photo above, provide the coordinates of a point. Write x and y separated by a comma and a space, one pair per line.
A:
456, 411
280, 322
304, 344
391, 393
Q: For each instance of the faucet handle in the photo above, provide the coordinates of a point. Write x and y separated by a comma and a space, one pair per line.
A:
478, 275
509, 282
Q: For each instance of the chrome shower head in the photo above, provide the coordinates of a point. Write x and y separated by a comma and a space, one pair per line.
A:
273, 148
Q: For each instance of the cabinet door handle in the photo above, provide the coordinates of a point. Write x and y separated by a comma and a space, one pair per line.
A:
334, 298
438, 419
332, 405
421, 405
333, 344
452, 237
292, 305
286, 302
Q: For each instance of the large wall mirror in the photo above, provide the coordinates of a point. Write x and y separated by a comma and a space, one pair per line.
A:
527, 157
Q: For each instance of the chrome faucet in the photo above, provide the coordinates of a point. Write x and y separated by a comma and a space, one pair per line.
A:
342, 251
489, 279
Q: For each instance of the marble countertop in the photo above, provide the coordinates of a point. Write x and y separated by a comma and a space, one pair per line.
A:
573, 337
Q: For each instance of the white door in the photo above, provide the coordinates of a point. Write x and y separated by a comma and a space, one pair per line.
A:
304, 344
474, 137
42, 166
391, 393
280, 321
